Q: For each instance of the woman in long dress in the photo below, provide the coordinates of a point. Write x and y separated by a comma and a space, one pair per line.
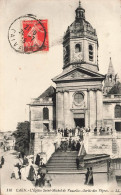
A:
27, 168
31, 173
15, 171
82, 151
23, 173
87, 176
90, 178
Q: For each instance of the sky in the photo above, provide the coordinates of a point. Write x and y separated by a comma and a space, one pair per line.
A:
23, 76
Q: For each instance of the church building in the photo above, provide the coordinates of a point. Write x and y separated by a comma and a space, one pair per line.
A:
79, 99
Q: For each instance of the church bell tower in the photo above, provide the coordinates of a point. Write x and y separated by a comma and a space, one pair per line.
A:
80, 43
79, 100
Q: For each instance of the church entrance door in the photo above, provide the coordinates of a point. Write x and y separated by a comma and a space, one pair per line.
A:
79, 122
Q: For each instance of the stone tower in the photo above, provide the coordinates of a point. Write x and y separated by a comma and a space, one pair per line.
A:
111, 78
80, 43
79, 86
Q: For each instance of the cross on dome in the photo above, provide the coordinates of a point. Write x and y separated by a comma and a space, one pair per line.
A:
79, 3
80, 12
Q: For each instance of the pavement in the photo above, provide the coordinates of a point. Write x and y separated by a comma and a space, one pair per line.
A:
60, 182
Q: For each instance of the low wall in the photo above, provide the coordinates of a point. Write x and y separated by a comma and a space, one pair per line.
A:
94, 144
103, 144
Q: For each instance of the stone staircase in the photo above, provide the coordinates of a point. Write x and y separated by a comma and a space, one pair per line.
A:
65, 162
62, 162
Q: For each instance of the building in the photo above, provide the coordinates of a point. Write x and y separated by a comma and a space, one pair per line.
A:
110, 78
79, 98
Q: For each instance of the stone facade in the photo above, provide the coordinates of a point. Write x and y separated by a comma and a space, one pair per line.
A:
78, 99
42, 112
67, 110
110, 118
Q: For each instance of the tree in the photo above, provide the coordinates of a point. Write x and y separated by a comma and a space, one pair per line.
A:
22, 135
116, 89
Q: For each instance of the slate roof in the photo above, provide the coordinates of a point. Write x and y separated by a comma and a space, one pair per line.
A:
111, 69
81, 28
49, 92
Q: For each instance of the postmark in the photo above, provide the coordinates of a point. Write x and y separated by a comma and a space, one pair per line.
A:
27, 34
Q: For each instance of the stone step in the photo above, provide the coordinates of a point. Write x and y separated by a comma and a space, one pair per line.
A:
63, 158
61, 165
66, 172
66, 161
61, 168
53, 161
72, 159
64, 154
67, 153
62, 161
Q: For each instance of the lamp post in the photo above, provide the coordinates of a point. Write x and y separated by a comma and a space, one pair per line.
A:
41, 138
42, 154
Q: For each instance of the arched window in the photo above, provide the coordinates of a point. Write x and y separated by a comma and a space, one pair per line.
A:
78, 98
110, 77
45, 113
77, 48
90, 52
117, 111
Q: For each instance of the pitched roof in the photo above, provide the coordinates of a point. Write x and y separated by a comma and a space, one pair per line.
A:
111, 68
65, 73
49, 92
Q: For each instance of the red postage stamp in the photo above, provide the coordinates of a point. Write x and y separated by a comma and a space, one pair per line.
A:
35, 35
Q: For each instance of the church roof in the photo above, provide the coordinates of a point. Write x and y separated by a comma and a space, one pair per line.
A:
80, 27
78, 73
111, 68
49, 92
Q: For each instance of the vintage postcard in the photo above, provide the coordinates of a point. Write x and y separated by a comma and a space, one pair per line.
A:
60, 97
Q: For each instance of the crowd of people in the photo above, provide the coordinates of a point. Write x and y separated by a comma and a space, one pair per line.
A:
27, 170
103, 130
73, 132
71, 144
81, 131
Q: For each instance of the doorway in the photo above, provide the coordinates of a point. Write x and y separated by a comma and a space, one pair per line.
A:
79, 122
118, 126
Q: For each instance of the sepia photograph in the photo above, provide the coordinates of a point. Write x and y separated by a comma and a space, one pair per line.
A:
60, 97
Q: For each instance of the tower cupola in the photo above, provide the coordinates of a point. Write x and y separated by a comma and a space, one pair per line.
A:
80, 12
80, 43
